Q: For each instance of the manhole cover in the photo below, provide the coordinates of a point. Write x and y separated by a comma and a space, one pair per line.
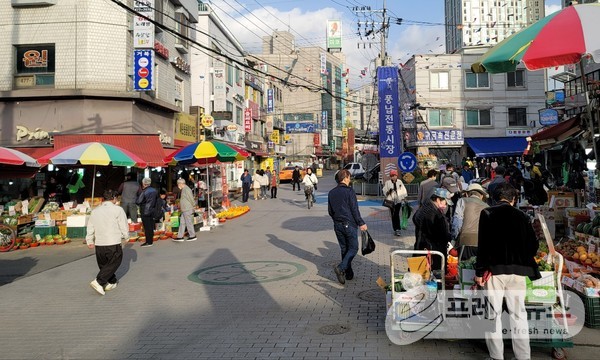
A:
373, 295
334, 329
250, 272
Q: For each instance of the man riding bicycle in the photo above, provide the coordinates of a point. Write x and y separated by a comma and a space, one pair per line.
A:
310, 183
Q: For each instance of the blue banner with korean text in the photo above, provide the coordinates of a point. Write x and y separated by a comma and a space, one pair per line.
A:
389, 117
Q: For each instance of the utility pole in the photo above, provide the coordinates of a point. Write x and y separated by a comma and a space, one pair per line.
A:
368, 28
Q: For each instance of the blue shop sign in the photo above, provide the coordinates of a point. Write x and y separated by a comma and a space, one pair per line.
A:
548, 117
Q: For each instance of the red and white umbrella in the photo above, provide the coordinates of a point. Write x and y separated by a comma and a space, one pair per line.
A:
14, 157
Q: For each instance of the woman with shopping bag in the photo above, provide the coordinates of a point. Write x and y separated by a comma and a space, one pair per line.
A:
395, 193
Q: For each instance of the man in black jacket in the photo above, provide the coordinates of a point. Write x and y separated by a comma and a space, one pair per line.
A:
343, 209
296, 178
147, 203
505, 257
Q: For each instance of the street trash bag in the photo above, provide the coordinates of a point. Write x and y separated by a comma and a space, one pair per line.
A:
367, 243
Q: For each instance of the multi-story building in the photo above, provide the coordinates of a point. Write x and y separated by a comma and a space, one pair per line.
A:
72, 77
313, 119
453, 113
361, 109
487, 22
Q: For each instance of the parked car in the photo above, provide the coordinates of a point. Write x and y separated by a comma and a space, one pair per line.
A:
356, 169
285, 175
371, 176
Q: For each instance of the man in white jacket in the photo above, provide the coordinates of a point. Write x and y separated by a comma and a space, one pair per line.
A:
106, 228
395, 191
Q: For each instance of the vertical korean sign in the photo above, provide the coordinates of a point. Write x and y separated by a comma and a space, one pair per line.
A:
270, 101
143, 29
143, 64
389, 122
248, 120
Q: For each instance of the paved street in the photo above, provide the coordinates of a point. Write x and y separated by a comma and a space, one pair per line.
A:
257, 287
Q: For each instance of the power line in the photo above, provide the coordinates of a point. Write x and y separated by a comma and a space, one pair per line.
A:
203, 48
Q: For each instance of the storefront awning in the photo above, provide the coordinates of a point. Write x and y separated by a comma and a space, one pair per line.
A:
259, 153
148, 147
559, 132
497, 146
35, 152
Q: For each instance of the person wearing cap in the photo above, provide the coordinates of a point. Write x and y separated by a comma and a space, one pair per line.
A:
465, 223
536, 172
497, 180
395, 191
431, 225
451, 182
506, 247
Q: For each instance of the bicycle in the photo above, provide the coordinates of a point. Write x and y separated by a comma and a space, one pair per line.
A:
308, 191
8, 238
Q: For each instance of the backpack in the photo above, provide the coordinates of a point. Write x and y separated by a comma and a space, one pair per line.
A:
158, 209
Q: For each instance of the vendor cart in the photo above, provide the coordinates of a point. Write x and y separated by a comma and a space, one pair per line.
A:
433, 312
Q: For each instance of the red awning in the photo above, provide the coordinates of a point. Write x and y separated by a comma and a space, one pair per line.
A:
259, 153
558, 132
35, 152
147, 147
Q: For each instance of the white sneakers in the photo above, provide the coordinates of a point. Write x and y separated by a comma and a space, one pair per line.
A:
94, 284
110, 287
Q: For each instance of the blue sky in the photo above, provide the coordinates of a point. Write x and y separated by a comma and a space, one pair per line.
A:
421, 30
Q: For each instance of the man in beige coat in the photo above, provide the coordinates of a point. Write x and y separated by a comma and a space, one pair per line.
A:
186, 207
465, 223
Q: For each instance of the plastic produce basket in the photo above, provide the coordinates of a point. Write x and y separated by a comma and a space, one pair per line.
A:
45, 230
62, 230
76, 232
592, 311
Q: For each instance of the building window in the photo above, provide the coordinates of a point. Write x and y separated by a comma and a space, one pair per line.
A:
474, 81
34, 66
515, 78
158, 11
229, 73
239, 112
229, 106
517, 117
439, 80
479, 118
440, 117
179, 91
182, 27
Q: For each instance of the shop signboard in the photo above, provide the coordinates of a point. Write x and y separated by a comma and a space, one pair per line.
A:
186, 128
299, 127
548, 117
519, 132
389, 124
219, 87
426, 137
270, 101
275, 136
247, 120
323, 59
324, 119
334, 35
143, 29
143, 65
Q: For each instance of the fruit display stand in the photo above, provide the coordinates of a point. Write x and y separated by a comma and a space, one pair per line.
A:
42, 231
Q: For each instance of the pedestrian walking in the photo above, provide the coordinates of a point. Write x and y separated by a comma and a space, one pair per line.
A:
106, 228
296, 178
426, 187
186, 217
256, 185
147, 201
343, 209
268, 175
505, 257
432, 231
246, 179
274, 184
395, 191
130, 190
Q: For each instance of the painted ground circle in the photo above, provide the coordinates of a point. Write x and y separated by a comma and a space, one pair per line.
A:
249, 272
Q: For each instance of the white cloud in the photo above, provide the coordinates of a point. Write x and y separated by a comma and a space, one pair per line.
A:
416, 39
552, 8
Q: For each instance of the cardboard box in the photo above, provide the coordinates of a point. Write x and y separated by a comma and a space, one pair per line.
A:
77, 221
562, 200
44, 222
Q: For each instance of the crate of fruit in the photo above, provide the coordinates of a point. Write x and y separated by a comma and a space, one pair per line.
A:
25, 219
